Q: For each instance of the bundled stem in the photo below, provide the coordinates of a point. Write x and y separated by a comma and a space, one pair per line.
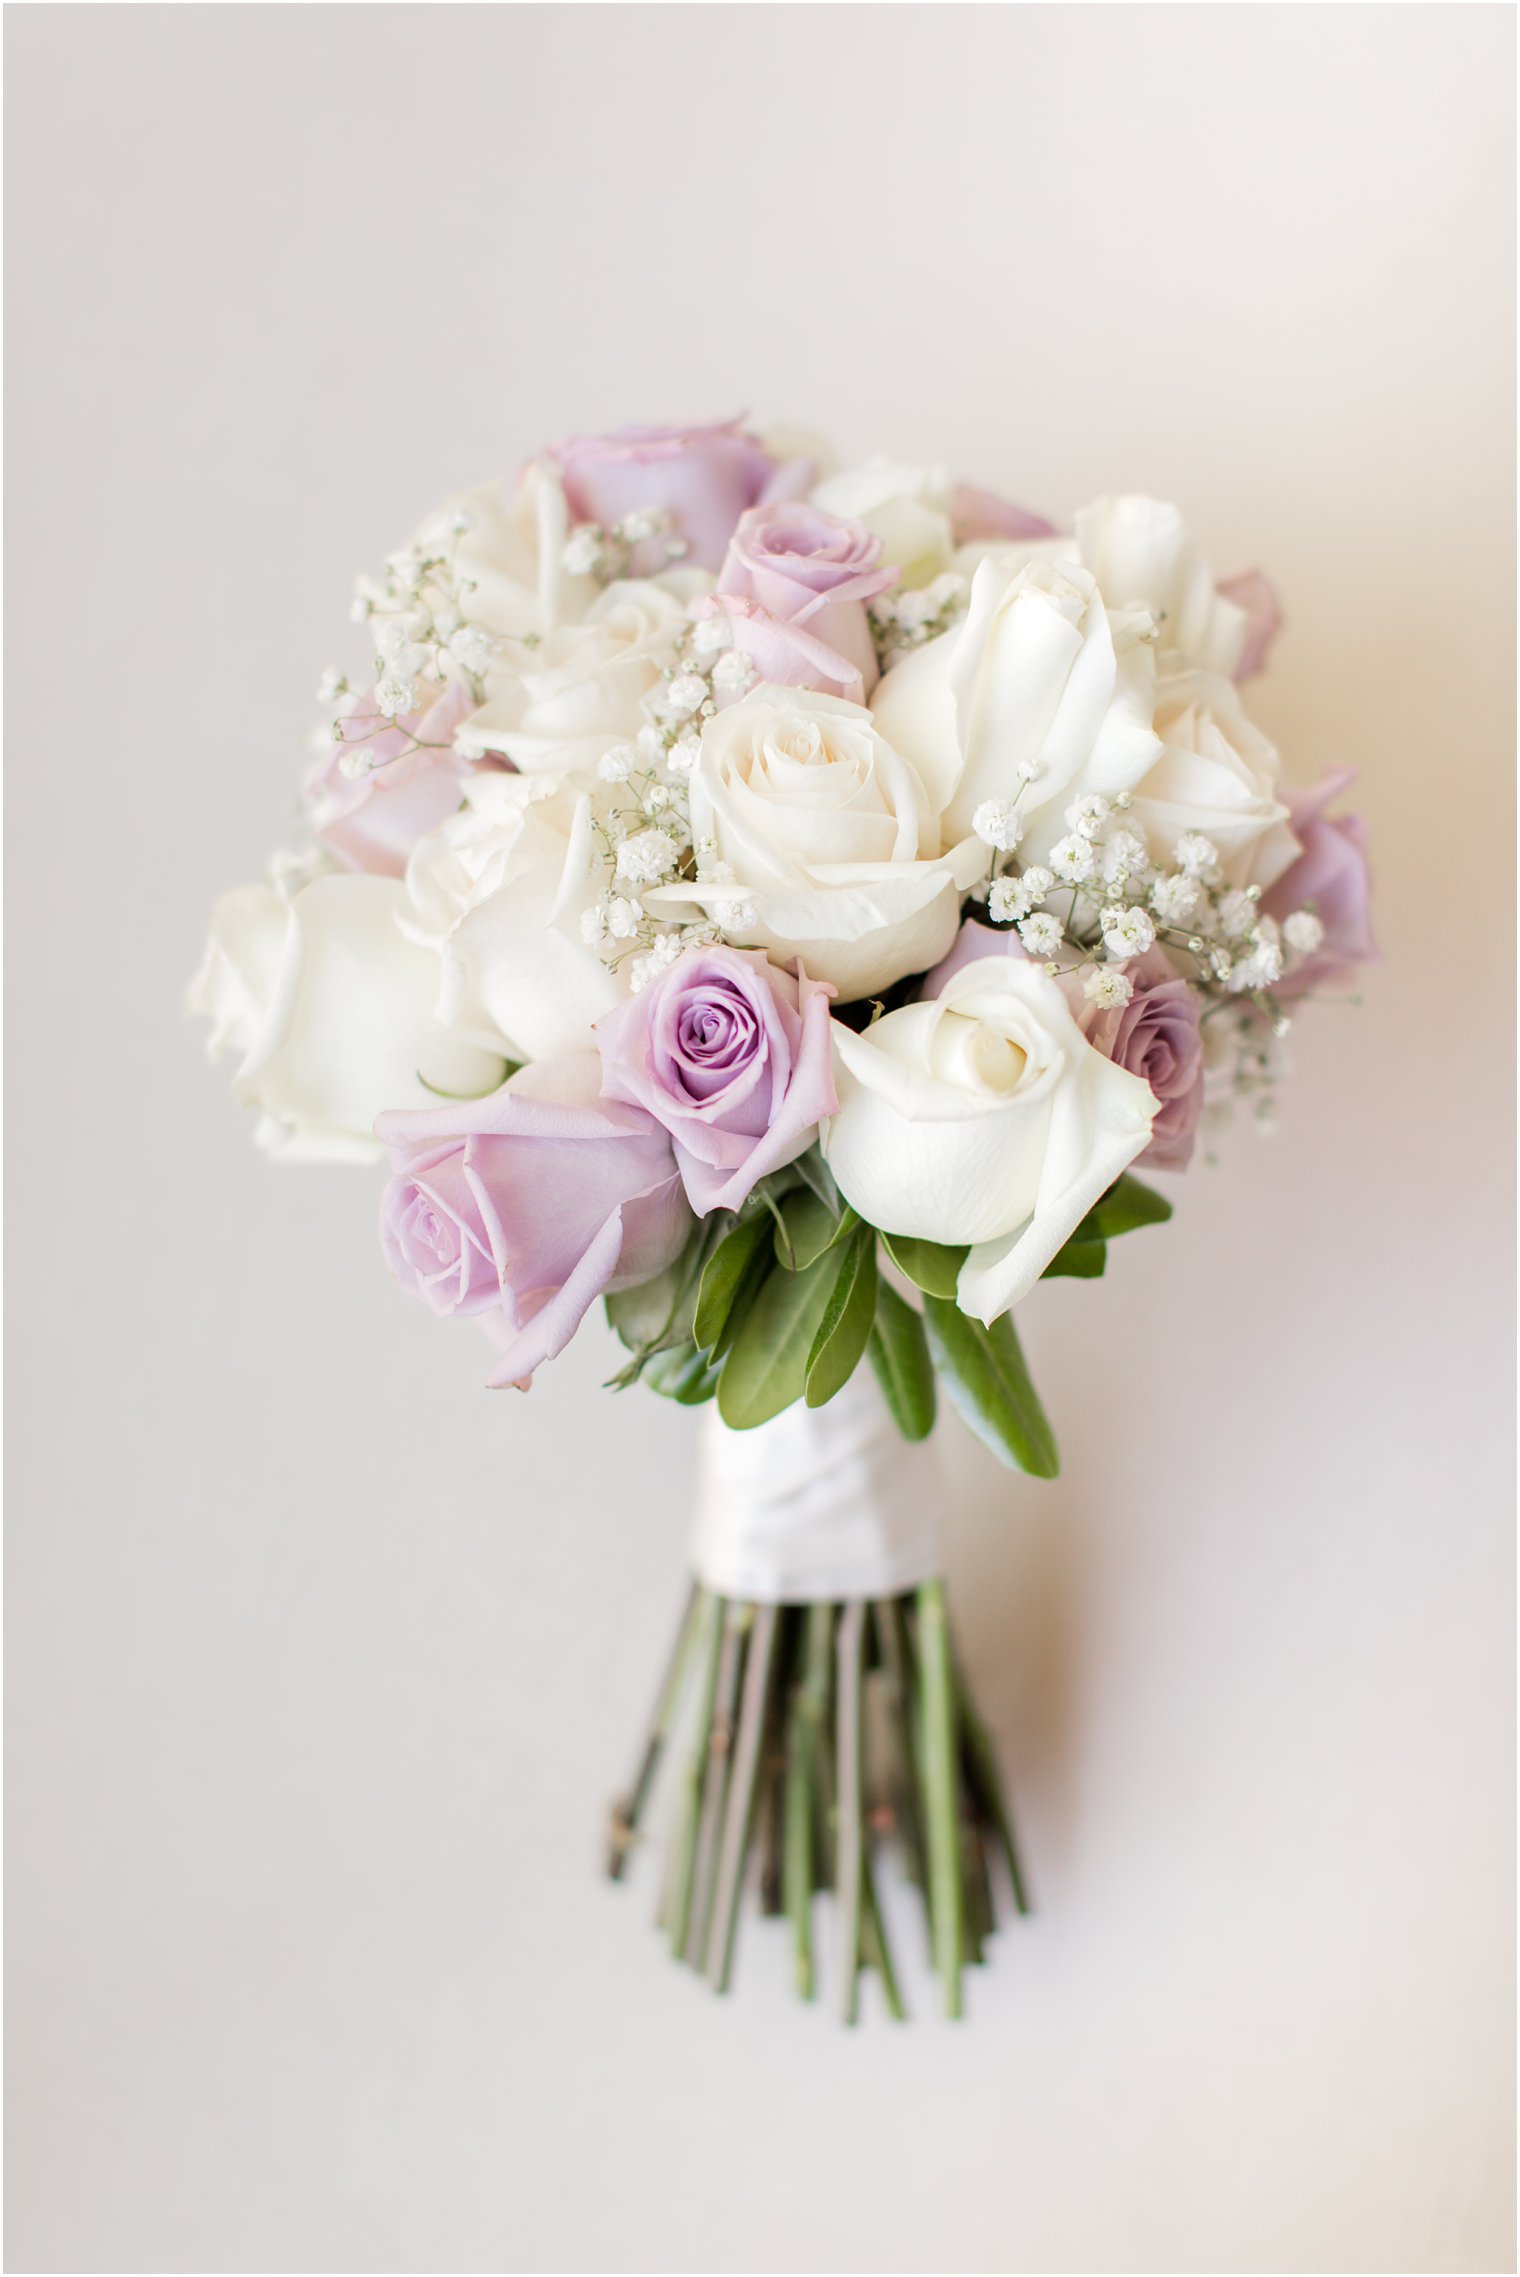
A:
790, 1776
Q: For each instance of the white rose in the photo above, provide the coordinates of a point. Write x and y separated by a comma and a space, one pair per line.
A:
1143, 556
1216, 774
1038, 677
499, 892
330, 1009
508, 556
907, 507
585, 688
983, 1117
826, 831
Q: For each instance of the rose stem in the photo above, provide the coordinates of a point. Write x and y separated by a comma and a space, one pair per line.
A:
797, 1856
720, 1739
825, 1806
982, 1771
738, 1818
938, 1727
785, 1676
873, 1938
850, 1850
976, 1890
903, 1784
684, 1854
627, 1812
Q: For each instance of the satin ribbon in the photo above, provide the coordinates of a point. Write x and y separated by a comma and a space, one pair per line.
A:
818, 1504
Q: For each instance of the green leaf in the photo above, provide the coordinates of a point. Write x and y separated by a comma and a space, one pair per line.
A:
928, 1264
808, 1227
845, 1327
899, 1353
722, 1276
986, 1378
1085, 1260
816, 1174
766, 1368
1128, 1203
684, 1374
657, 1315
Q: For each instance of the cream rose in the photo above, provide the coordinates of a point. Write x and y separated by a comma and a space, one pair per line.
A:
830, 849
507, 556
330, 1008
1038, 695
585, 687
907, 507
1216, 774
1143, 556
499, 892
983, 1117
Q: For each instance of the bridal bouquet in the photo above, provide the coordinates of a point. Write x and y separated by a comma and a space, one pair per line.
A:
785, 905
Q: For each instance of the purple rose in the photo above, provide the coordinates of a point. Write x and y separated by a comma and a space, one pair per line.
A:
1253, 591
1155, 1036
389, 782
980, 514
704, 477
1330, 878
812, 570
732, 1056
787, 655
525, 1207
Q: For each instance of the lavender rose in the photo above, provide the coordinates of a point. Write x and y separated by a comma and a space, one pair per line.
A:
523, 1208
1155, 1035
812, 570
705, 477
391, 780
732, 1056
1330, 879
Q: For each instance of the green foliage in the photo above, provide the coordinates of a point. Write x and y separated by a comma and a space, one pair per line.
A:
1128, 1204
899, 1354
734, 1262
806, 1227
840, 1343
1084, 1260
927, 1264
767, 1364
985, 1375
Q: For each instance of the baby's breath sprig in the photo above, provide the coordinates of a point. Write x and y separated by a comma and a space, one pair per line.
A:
642, 543
903, 621
1112, 903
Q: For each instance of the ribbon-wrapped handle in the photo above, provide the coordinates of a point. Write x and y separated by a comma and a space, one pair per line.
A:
821, 1504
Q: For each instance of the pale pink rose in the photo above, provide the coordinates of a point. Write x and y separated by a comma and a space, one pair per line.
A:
704, 477
976, 515
789, 656
388, 783
813, 570
1330, 878
1253, 591
523, 1208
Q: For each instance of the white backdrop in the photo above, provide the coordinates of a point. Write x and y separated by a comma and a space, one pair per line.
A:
323, 1661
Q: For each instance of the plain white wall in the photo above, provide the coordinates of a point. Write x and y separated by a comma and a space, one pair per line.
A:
322, 1661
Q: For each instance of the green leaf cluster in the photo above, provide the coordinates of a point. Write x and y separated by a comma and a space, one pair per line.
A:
782, 1301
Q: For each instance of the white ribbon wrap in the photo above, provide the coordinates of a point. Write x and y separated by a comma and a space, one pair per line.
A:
819, 1503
